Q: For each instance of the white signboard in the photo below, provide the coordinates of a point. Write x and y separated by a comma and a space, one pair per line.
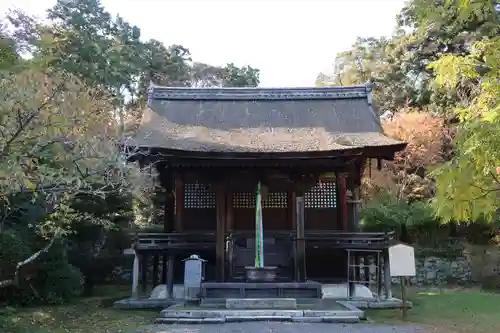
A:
402, 260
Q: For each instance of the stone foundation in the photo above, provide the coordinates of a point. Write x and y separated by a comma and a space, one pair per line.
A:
438, 271
433, 270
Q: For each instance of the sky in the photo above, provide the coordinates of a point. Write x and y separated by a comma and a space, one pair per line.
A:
290, 41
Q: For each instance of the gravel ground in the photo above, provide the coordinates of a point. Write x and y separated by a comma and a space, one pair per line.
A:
273, 327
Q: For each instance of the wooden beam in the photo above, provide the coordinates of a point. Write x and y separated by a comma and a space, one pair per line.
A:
220, 203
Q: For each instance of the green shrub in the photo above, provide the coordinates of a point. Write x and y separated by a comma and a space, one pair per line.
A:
59, 283
410, 221
49, 279
98, 267
12, 251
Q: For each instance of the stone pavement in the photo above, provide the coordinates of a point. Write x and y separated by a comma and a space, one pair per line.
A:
274, 327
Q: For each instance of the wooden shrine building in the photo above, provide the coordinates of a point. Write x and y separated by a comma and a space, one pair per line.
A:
308, 148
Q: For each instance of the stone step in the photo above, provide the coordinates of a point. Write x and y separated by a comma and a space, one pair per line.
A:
190, 320
333, 313
261, 303
232, 319
171, 313
341, 319
333, 319
327, 319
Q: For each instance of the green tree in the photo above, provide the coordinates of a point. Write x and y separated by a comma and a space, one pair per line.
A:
56, 144
398, 66
378, 60
87, 42
233, 76
8, 53
469, 186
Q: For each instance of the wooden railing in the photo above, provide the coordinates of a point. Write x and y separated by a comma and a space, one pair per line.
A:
174, 241
207, 240
348, 240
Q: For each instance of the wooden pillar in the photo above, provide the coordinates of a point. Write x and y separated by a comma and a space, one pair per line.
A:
220, 204
342, 197
366, 270
170, 276
168, 227
135, 276
229, 211
292, 222
300, 269
156, 264
351, 273
354, 200
229, 230
378, 264
179, 204
357, 267
387, 275
144, 273
353, 203
291, 209
164, 268
168, 217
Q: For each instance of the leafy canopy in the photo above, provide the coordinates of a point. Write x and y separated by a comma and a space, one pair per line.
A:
468, 187
57, 140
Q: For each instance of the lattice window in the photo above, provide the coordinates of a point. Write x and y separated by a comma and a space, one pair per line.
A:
198, 196
276, 200
243, 200
322, 195
247, 200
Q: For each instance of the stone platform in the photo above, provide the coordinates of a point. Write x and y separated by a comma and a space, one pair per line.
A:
363, 298
224, 290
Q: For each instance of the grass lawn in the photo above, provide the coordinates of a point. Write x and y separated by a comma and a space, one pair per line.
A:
448, 310
88, 315
443, 311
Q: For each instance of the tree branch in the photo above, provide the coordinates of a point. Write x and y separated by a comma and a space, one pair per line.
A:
24, 123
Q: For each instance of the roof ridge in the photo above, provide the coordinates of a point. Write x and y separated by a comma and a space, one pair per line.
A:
259, 93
